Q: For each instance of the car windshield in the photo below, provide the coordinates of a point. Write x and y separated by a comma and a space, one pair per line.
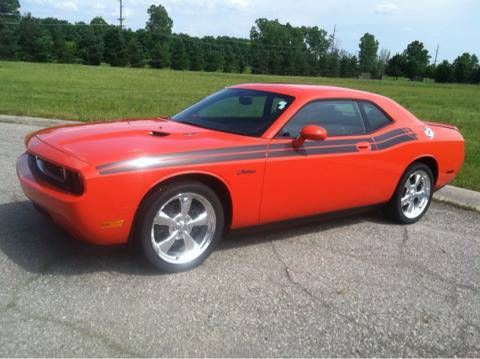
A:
240, 111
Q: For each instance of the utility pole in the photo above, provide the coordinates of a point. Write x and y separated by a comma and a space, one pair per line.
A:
333, 37
121, 18
436, 55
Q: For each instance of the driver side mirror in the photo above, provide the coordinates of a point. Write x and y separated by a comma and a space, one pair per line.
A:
310, 132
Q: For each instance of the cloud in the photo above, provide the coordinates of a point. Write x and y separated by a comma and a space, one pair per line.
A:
209, 4
66, 5
387, 8
98, 7
69, 5
240, 4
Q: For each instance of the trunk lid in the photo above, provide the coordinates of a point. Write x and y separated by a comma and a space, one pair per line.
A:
439, 124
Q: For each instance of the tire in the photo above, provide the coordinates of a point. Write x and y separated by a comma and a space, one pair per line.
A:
414, 205
189, 223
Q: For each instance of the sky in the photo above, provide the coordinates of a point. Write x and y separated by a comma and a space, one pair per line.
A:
453, 24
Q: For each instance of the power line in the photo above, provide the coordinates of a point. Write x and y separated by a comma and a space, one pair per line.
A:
61, 24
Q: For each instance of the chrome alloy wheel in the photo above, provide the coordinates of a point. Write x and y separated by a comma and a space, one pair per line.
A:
183, 228
416, 194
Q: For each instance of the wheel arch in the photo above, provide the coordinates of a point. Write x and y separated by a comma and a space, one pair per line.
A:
431, 162
217, 184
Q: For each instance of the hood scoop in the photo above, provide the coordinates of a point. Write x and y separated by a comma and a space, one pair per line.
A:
158, 134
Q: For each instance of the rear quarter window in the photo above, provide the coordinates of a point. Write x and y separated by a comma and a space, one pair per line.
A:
374, 117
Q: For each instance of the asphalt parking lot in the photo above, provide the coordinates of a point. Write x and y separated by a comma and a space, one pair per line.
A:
355, 286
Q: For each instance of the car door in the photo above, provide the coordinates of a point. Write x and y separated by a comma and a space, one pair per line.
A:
320, 176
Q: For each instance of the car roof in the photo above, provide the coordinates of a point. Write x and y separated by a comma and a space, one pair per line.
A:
307, 90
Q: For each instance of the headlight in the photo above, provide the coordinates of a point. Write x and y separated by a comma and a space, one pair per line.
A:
61, 177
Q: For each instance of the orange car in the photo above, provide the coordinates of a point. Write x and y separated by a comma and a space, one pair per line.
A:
247, 155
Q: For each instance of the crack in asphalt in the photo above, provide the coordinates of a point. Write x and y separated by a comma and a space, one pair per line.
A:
289, 275
402, 262
13, 306
407, 340
34, 277
420, 269
88, 333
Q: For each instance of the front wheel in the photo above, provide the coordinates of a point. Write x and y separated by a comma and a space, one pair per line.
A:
179, 225
413, 194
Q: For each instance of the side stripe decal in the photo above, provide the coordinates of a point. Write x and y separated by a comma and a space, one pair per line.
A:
253, 152
312, 151
212, 151
393, 141
187, 161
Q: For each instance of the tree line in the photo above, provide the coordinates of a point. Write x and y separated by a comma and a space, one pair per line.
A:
273, 48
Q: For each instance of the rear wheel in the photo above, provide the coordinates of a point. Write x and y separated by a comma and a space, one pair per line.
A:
179, 225
413, 194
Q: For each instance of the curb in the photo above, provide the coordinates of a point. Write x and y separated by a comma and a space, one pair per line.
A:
35, 121
459, 197
456, 196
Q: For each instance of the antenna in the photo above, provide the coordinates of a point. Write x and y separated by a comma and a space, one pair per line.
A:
436, 55
121, 18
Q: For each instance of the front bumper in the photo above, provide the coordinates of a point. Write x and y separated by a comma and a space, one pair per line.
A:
76, 214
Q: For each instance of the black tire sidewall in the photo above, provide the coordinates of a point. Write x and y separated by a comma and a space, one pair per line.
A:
149, 209
395, 204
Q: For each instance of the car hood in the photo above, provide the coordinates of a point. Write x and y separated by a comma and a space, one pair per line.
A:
107, 142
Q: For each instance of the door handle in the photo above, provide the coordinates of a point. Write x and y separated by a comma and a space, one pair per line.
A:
363, 146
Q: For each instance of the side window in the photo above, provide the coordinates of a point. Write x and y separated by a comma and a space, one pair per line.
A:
339, 118
375, 118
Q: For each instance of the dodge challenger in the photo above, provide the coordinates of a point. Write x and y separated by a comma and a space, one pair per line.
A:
247, 155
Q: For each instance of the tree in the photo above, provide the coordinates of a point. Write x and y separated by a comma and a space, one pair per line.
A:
417, 58
34, 42
58, 44
242, 65
285, 49
179, 57
443, 72
289, 64
274, 64
333, 64
430, 71
196, 55
382, 62
213, 61
395, 66
476, 76
160, 56
8, 41
464, 66
317, 42
159, 22
230, 63
9, 7
69, 52
368, 53
348, 66
99, 27
136, 55
115, 51
89, 47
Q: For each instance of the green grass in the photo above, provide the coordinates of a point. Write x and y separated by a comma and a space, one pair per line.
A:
85, 93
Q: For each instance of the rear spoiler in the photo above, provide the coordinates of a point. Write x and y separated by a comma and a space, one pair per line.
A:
438, 124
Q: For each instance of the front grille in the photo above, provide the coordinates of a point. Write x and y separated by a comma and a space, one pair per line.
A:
57, 176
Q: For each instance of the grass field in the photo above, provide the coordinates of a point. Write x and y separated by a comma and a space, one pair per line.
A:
95, 93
